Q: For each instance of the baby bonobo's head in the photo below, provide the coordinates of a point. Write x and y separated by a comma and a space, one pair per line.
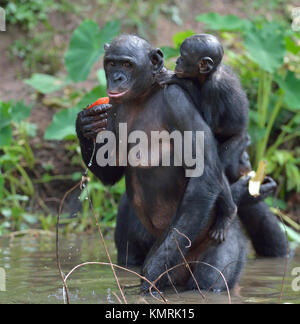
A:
200, 55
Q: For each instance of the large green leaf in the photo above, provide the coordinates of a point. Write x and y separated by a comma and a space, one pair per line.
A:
86, 47
45, 83
181, 36
1, 186
92, 96
20, 111
170, 52
5, 136
101, 77
266, 46
291, 87
5, 114
63, 124
5, 121
214, 21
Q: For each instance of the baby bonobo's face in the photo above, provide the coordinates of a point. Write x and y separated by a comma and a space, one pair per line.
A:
187, 63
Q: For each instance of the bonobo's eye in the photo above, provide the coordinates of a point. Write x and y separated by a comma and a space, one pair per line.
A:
179, 60
110, 63
127, 64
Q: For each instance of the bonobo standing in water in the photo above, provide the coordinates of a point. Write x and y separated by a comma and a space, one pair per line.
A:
165, 200
218, 95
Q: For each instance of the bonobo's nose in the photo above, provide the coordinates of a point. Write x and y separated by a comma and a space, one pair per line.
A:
117, 76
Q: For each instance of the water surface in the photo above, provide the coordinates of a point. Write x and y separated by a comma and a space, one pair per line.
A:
32, 276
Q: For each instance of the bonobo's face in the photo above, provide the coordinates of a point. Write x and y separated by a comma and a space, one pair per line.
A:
200, 55
187, 63
128, 67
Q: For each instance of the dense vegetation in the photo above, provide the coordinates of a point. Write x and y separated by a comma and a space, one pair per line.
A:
264, 51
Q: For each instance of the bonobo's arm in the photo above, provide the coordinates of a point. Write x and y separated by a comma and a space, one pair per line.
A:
193, 216
89, 123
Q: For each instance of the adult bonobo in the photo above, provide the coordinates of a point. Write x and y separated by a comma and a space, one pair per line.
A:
162, 196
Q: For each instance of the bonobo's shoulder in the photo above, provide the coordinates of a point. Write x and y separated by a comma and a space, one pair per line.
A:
176, 96
225, 74
173, 91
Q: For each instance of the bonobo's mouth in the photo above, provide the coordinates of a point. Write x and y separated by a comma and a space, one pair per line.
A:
113, 94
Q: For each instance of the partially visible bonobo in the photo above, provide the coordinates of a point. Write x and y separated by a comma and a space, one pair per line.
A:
163, 197
218, 95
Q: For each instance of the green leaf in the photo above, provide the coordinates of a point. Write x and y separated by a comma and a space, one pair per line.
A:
293, 177
214, 21
101, 77
266, 46
5, 121
170, 52
1, 186
86, 47
31, 219
5, 114
45, 83
5, 136
291, 45
291, 87
181, 36
20, 111
293, 236
92, 96
63, 125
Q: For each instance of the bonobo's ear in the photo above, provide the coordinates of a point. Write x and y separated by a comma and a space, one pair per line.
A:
157, 58
106, 46
206, 65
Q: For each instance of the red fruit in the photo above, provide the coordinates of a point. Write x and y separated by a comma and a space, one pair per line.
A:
100, 101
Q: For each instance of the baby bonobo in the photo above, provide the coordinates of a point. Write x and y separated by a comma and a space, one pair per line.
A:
219, 97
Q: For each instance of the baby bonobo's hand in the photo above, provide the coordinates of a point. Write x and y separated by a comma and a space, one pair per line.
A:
93, 120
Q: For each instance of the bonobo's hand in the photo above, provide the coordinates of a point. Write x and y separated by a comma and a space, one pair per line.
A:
93, 120
241, 195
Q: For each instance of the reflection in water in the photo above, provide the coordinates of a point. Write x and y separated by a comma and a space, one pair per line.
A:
32, 275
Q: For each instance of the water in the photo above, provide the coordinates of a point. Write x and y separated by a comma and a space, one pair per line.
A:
32, 276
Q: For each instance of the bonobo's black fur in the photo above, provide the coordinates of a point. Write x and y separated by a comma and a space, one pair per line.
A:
217, 93
162, 197
219, 97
